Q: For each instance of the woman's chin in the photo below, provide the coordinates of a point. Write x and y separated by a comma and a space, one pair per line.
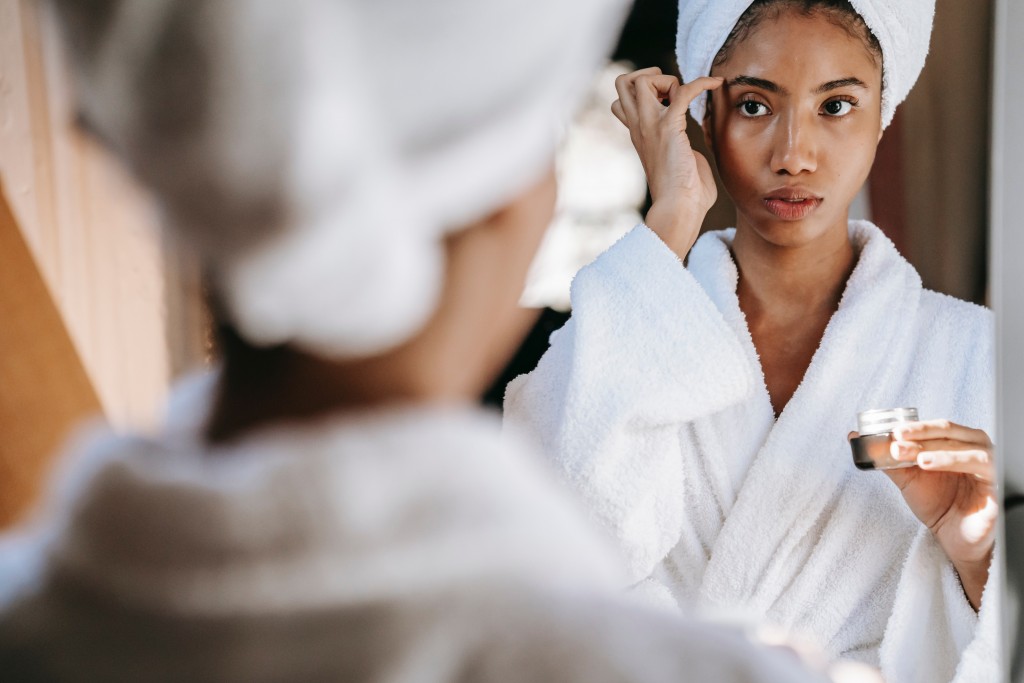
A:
791, 234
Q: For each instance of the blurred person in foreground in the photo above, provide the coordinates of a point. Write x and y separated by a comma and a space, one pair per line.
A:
365, 183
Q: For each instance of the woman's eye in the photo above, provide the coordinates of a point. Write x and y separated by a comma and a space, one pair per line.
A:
753, 109
838, 107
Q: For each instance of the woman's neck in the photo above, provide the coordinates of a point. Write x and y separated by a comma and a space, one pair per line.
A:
788, 296
792, 282
263, 386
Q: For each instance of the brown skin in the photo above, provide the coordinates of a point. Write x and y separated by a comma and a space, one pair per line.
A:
475, 329
952, 491
814, 133
793, 272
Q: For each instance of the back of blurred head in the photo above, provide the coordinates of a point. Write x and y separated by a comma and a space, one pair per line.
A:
317, 154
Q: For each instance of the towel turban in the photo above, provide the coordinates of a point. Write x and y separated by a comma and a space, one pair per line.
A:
902, 27
316, 152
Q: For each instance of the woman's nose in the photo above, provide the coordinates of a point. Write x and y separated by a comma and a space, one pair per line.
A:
794, 149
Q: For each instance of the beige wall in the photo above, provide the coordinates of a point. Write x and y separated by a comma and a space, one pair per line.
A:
97, 313
44, 389
91, 231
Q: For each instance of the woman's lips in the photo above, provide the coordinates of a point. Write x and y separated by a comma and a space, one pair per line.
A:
792, 208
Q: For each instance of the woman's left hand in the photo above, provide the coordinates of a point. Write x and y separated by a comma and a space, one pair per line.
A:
952, 491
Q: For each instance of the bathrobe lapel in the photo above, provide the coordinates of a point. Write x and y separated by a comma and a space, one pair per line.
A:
651, 402
803, 458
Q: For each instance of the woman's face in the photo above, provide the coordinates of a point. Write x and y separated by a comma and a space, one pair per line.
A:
795, 127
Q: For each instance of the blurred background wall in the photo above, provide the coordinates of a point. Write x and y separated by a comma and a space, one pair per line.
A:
939, 157
97, 314
88, 228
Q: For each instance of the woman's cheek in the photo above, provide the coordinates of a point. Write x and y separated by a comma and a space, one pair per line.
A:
737, 170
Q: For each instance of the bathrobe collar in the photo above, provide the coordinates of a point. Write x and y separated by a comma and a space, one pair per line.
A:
389, 504
804, 458
882, 289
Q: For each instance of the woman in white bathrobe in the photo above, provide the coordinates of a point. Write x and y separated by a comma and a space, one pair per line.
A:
330, 505
703, 412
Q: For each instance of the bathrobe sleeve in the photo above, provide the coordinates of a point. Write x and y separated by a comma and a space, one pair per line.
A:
645, 352
960, 646
933, 631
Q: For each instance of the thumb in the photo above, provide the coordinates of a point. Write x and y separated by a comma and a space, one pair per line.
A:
682, 94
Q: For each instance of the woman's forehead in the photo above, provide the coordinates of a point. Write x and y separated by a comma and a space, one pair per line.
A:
796, 51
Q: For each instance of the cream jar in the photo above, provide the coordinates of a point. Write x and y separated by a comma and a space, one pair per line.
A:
871, 448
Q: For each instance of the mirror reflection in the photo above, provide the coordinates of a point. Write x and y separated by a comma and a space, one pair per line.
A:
739, 436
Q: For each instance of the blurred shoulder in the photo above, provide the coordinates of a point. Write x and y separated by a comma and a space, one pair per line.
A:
545, 636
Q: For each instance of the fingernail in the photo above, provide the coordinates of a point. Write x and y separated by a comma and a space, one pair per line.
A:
902, 450
911, 427
926, 460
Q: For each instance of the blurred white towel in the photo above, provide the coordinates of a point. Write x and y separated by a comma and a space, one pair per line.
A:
407, 545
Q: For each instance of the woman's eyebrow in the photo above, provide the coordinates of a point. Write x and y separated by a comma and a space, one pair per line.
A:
770, 86
755, 82
850, 81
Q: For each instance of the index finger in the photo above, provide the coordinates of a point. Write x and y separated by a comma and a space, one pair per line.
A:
650, 91
940, 429
684, 94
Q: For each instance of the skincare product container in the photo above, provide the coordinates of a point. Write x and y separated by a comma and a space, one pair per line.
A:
871, 448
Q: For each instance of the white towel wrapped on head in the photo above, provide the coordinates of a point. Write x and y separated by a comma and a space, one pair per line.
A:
315, 153
902, 27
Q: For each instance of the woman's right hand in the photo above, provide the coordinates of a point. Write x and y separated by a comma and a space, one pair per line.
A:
682, 185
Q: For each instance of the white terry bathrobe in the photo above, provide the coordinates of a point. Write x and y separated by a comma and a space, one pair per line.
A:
395, 546
652, 403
